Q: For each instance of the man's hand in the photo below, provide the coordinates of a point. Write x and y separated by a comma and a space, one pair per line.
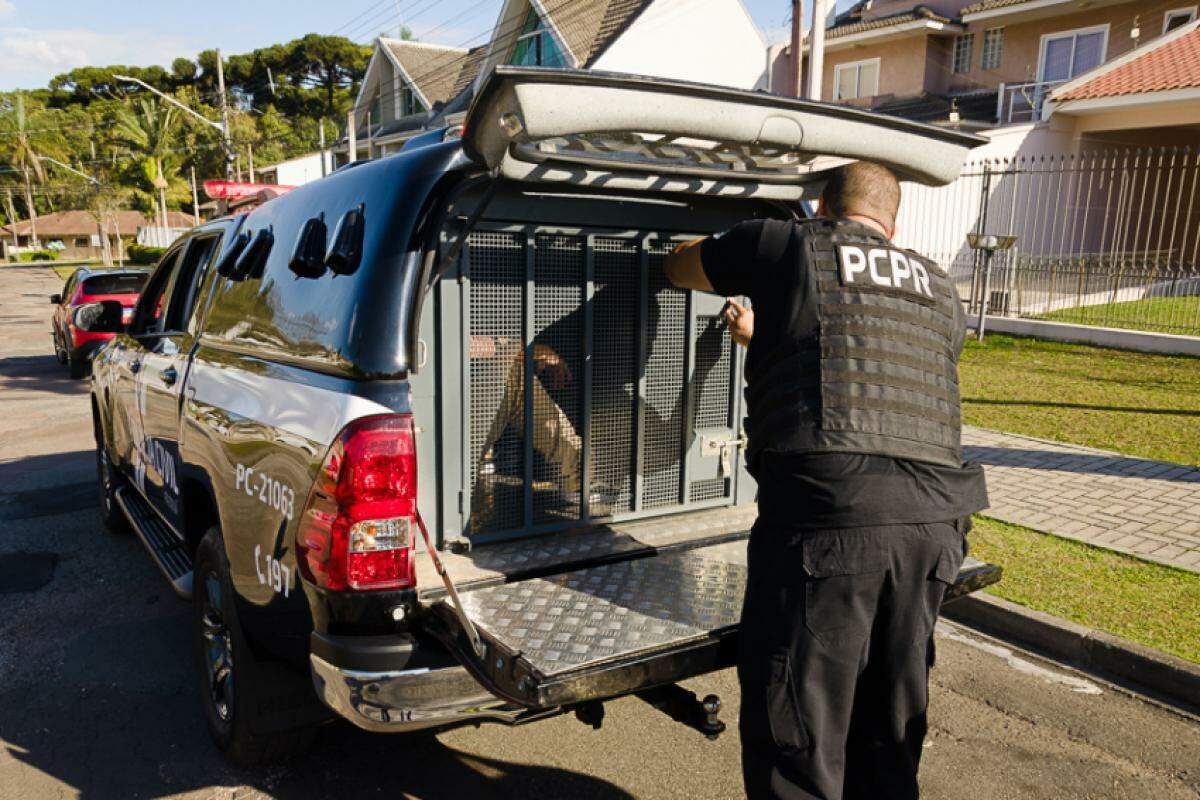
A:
740, 320
550, 367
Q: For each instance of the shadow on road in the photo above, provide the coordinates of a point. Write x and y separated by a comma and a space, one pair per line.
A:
40, 374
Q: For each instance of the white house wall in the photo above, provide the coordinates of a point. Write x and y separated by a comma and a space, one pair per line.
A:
300, 171
708, 41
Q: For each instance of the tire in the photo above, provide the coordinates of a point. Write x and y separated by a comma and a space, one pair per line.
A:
77, 367
60, 355
115, 521
234, 684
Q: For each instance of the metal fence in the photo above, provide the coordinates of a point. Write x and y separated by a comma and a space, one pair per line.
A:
1109, 238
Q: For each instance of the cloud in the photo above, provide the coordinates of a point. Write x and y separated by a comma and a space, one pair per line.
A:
7, 8
29, 57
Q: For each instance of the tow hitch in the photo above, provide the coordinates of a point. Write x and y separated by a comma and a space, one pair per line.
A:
683, 706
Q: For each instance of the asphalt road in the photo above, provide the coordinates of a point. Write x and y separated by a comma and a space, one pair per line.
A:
97, 698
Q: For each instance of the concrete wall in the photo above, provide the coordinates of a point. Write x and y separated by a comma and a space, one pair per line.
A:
711, 41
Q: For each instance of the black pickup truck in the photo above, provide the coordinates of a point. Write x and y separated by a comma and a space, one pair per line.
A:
434, 438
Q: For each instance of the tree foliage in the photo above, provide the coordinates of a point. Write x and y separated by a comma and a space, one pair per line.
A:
123, 136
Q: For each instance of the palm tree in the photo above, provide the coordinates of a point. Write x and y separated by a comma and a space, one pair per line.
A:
24, 154
149, 128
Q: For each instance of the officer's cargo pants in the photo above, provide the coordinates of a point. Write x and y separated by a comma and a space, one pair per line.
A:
835, 649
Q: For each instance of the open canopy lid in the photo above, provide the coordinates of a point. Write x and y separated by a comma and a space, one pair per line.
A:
636, 132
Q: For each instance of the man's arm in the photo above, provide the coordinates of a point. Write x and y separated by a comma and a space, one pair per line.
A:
684, 268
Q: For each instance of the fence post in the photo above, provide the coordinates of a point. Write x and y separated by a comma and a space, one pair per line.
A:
980, 224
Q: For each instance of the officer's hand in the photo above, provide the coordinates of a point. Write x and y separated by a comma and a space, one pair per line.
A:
550, 366
741, 322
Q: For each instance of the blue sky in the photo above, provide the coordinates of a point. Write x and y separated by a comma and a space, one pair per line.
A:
40, 38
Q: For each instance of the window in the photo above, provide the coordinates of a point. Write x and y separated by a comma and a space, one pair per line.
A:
127, 283
963, 46
81, 241
993, 48
148, 316
536, 46
1069, 53
191, 275
409, 103
856, 79
1178, 16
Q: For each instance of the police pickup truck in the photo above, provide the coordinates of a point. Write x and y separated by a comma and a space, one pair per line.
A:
434, 437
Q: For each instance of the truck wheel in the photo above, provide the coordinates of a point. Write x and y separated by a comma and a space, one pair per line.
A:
232, 685
114, 518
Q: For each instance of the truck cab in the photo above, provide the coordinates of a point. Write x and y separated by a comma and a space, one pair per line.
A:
432, 441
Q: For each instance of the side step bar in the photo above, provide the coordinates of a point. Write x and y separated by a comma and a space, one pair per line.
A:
165, 546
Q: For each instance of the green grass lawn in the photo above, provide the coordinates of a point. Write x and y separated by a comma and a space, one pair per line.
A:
1134, 403
1125, 596
1165, 314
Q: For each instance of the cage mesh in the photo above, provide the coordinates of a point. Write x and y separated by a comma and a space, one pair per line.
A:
498, 401
497, 268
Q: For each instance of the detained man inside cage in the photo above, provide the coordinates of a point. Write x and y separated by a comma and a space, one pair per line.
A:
554, 398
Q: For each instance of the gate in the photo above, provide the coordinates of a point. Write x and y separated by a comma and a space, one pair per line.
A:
593, 390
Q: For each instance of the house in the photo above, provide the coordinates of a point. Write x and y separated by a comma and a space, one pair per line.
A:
77, 234
984, 64
410, 87
296, 171
406, 84
1149, 96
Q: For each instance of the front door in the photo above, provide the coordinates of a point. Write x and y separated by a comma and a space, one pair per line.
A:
161, 379
127, 356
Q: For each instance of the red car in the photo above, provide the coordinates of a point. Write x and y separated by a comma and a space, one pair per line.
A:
75, 347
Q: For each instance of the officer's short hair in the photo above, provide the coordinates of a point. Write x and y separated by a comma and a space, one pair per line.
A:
866, 188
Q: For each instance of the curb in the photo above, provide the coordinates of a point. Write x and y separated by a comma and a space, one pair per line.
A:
1173, 679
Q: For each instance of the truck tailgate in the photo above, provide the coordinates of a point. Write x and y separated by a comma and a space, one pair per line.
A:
613, 628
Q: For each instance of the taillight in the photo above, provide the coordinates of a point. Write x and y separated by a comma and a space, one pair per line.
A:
357, 528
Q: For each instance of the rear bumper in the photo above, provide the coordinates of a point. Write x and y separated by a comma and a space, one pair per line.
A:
388, 685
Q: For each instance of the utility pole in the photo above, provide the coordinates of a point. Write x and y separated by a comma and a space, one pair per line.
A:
796, 68
324, 170
351, 137
195, 199
816, 51
224, 116
250, 160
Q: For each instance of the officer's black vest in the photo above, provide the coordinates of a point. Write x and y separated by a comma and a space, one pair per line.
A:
879, 374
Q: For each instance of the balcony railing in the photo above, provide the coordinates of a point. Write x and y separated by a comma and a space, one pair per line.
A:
1022, 102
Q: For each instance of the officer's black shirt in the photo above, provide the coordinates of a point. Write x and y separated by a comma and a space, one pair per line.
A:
825, 490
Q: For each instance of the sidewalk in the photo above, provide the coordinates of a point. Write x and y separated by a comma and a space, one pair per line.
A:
1135, 505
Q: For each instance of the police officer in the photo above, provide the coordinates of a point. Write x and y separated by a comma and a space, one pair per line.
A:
864, 500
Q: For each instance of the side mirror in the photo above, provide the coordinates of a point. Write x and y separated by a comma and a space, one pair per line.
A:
104, 316
346, 250
55, 299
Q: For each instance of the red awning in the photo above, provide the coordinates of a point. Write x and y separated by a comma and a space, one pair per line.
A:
233, 190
